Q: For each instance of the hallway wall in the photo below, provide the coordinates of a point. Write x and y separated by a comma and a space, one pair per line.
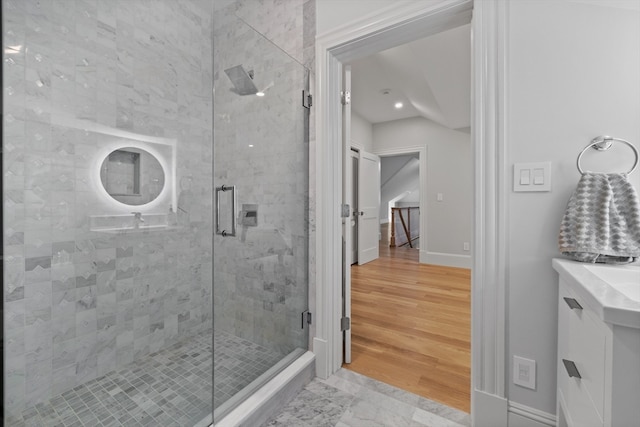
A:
449, 172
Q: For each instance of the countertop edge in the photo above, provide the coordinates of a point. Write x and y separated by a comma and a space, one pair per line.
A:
607, 303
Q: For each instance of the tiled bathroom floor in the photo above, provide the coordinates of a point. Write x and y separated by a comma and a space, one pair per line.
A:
173, 388
169, 388
348, 399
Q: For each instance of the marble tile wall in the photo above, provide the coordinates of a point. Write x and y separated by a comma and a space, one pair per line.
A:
262, 146
78, 303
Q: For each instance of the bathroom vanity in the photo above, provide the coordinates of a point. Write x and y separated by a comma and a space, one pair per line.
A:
598, 376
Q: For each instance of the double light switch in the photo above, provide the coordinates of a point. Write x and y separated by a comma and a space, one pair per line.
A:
532, 176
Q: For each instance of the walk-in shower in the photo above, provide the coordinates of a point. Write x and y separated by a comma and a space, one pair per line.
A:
121, 305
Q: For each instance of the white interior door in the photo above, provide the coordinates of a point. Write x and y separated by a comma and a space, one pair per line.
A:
369, 207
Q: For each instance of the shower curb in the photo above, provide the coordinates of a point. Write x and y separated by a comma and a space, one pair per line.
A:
265, 402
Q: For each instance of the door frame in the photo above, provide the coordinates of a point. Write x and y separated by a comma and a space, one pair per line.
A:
391, 26
422, 177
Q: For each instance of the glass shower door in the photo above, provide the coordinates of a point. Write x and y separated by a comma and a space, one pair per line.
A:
261, 149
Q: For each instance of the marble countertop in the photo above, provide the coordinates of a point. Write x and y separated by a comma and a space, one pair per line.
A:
611, 305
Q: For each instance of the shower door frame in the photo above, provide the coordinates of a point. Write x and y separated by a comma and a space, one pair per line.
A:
387, 28
2, 229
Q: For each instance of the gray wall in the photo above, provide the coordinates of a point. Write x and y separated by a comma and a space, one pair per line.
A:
449, 172
80, 303
400, 176
361, 133
389, 166
261, 275
553, 113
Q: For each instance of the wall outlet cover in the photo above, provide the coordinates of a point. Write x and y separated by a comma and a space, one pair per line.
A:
524, 372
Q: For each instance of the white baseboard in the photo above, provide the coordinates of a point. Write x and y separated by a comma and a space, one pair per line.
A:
489, 410
322, 360
449, 260
525, 416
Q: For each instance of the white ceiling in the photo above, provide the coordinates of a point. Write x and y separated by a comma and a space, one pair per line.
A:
430, 76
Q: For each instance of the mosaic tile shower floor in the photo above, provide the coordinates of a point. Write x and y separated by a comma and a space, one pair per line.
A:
238, 363
168, 388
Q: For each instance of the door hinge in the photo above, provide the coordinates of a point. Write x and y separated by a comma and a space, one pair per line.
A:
345, 97
307, 99
305, 318
345, 324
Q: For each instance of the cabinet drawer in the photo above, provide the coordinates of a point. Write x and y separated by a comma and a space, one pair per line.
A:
582, 339
580, 412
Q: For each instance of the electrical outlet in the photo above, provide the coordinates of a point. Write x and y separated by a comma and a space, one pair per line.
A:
524, 372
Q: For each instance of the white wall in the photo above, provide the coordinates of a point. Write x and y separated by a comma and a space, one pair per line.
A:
449, 172
361, 133
573, 74
334, 13
389, 166
403, 183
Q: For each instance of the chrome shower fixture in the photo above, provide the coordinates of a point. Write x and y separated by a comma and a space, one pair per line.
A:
241, 80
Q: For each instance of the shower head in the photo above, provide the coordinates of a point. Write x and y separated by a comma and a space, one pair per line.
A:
241, 80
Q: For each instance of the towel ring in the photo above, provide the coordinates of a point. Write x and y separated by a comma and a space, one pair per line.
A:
603, 143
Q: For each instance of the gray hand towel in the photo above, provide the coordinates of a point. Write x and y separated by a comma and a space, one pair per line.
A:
602, 220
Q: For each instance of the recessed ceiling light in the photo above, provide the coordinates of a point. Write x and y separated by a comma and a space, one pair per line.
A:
259, 93
398, 105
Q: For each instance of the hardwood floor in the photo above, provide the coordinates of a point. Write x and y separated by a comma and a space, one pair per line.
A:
411, 326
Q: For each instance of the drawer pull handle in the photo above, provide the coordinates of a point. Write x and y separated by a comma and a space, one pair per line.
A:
572, 303
571, 368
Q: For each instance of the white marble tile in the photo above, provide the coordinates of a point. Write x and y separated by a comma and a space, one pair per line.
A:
350, 399
364, 413
38, 381
64, 354
63, 329
86, 322
433, 420
343, 385
14, 380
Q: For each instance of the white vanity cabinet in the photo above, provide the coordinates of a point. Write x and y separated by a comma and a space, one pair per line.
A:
598, 376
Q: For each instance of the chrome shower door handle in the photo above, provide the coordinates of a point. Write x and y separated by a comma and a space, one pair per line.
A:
226, 195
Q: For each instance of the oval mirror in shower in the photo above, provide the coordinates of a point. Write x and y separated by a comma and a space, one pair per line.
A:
132, 176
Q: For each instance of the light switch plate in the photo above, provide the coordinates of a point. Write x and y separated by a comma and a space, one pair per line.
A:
537, 177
